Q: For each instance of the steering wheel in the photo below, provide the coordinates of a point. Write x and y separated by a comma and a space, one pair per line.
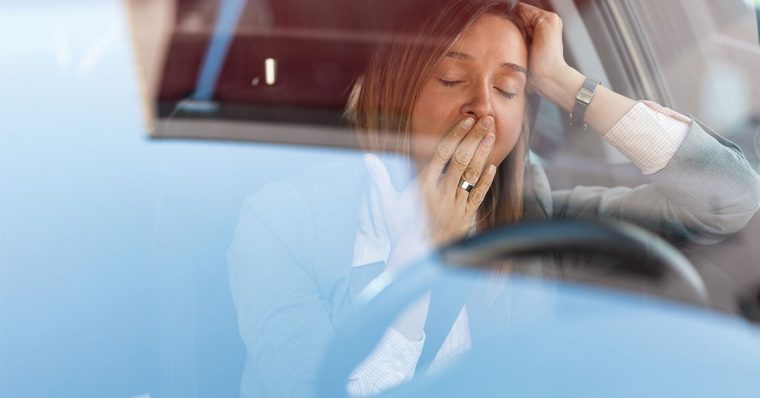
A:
649, 254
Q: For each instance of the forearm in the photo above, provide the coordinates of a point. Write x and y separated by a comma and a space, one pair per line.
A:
605, 110
707, 186
647, 133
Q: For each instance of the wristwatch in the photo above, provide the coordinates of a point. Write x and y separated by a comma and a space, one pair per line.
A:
582, 100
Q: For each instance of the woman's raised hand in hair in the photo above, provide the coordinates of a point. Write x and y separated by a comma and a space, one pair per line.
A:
548, 72
433, 209
552, 78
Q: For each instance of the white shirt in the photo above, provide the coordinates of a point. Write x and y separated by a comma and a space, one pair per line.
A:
649, 135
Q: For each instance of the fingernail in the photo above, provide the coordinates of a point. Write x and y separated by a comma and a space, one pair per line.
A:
488, 122
489, 139
468, 123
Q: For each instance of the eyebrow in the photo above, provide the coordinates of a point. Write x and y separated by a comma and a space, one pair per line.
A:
468, 57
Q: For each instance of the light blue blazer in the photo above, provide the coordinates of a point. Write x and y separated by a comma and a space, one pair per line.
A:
290, 261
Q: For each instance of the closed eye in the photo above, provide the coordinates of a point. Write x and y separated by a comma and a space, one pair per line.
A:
506, 94
450, 83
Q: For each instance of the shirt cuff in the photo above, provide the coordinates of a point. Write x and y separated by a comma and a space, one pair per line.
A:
392, 362
649, 135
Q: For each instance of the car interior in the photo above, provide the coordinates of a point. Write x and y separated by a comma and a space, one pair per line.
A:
138, 128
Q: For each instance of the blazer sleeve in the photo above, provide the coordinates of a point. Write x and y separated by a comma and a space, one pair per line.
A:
283, 320
707, 191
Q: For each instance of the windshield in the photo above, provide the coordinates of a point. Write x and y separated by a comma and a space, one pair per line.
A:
203, 197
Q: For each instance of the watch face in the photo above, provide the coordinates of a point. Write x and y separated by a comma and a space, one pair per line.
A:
584, 95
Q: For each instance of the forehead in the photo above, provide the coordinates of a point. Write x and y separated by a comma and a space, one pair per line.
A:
493, 38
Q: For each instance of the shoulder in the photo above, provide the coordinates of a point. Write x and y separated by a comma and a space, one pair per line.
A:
315, 188
314, 210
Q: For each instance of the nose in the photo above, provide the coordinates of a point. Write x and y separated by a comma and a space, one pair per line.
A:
479, 102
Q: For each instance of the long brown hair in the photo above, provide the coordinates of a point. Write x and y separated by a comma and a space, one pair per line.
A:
380, 107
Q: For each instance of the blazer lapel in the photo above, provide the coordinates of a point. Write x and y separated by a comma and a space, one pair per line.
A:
334, 192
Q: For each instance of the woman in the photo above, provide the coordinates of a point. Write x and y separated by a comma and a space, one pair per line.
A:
450, 93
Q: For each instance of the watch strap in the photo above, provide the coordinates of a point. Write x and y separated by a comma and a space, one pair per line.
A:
582, 100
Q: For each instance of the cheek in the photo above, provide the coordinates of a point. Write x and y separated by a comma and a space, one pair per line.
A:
430, 114
431, 120
509, 129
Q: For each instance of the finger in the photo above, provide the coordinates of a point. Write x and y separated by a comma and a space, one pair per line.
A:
525, 8
381, 180
475, 169
534, 16
446, 147
476, 196
466, 150
528, 14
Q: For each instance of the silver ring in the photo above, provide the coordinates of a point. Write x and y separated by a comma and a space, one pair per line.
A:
466, 185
